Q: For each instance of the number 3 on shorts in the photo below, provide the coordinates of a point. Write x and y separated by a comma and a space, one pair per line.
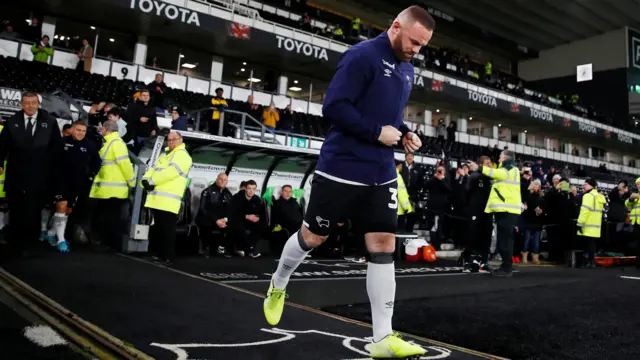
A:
394, 198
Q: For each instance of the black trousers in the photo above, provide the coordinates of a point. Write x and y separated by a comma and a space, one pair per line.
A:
506, 224
243, 237
480, 229
163, 234
636, 235
213, 236
109, 222
460, 223
436, 236
24, 227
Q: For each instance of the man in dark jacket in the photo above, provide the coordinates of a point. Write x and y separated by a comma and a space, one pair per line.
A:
141, 120
459, 221
157, 88
213, 215
286, 218
438, 204
412, 174
616, 215
481, 223
246, 220
179, 121
32, 146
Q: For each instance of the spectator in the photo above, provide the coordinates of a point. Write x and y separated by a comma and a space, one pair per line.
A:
441, 132
460, 206
66, 130
220, 105
270, 117
97, 114
246, 220
165, 183
114, 115
213, 215
251, 108
141, 120
32, 147
179, 121
532, 218
286, 119
9, 33
286, 218
42, 51
33, 32
157, 89
617, 215
85, 57
412, 176
110, 190
451, 132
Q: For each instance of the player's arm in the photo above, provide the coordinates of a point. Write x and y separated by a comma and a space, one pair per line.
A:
353, 76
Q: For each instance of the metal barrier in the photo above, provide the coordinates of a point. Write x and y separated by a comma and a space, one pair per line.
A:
137, 239
266, 134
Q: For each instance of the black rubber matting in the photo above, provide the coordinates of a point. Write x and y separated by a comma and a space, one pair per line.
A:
594, 315
260, 270
173, 316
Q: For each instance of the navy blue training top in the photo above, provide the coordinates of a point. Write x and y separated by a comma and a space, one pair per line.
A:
369, 90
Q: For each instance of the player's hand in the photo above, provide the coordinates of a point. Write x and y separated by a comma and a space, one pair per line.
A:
389, 135
221, 223
411, 142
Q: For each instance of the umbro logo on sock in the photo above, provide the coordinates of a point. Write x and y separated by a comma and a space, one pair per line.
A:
389, 305
286, 267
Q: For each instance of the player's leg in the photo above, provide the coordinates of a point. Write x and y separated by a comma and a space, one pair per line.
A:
45, 217
59, 226
378, 220
328, 202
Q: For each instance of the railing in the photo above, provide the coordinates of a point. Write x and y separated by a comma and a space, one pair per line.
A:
197, 114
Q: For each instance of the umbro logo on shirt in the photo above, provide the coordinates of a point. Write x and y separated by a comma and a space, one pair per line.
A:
386, 63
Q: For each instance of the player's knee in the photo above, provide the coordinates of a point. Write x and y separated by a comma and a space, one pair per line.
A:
381, 258
309, 240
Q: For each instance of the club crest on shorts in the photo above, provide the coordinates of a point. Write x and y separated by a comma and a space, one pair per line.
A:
322, 222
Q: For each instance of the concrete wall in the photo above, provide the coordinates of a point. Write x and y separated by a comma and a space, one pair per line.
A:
606, 52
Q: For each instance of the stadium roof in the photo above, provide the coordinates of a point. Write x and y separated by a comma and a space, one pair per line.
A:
543, 24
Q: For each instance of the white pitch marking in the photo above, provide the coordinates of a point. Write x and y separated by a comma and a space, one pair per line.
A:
43, 336
179, 349
630, 277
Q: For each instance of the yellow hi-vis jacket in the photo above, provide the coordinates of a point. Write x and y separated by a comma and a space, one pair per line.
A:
505, 190
634, 211
218, 103
116, 173
590, 218
404, 205
170, 175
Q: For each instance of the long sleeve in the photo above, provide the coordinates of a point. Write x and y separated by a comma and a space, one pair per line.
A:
495, 174
352, 77
123, 161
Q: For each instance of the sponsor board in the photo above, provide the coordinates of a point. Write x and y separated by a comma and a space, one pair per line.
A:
540, 115
166, 10
302, 48
587, 128
482, 98
10, 99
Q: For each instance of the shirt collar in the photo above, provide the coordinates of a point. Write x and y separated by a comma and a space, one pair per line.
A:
383, 38
26, 117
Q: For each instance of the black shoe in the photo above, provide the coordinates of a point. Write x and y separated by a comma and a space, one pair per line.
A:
502, 272
254, 254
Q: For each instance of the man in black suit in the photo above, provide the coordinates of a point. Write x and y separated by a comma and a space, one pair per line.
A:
32, 146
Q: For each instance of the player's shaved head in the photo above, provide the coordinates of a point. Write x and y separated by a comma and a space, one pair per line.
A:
411, 30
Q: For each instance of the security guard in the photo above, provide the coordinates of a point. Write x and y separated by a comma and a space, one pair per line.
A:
165, 184
634, 216
505, 202
404, 205
220, 104
590, 219
110, 189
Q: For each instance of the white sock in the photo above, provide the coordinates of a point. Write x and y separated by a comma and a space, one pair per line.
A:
44, 220
60, 225
2, 219
292, 256
381, 287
